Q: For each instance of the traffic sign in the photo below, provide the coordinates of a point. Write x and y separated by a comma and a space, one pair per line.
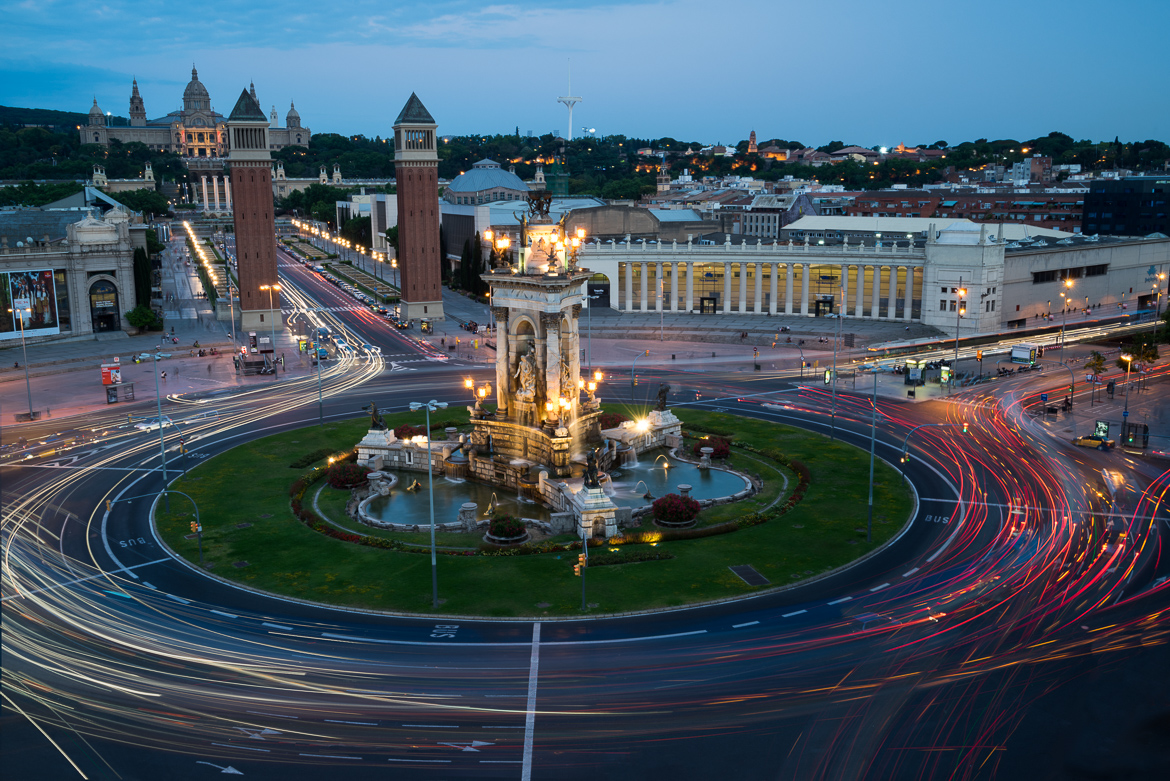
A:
1125, 413
1043, 397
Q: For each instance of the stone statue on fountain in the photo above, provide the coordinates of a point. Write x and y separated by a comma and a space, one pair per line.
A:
591, 475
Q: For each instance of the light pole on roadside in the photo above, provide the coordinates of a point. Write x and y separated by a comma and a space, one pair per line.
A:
833, 418
429, 406
633, 379
589, 324
272, 288
24, 350
872, 447
960, 310
1067, 299
1128, 368
161, 439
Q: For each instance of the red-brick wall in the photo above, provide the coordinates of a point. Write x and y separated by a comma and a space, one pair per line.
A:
418, 230
255, 232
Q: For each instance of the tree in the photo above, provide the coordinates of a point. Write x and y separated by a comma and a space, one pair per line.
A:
392, 237
1094, 365
143, 317
149, 202
358, 231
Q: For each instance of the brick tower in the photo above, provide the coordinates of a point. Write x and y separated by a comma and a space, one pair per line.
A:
416, 165
251, 179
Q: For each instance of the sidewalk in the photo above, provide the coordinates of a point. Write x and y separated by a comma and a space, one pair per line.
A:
1149, 404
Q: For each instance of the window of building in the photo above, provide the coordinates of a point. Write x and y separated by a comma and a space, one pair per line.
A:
1097, 271
1040, 277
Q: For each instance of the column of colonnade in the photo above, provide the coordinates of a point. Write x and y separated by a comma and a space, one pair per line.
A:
804, 272
227, 191
203, 180
215, 190
908, 303
658, 286
690, 267
673, 286
773, 288
791, 280
726, 288
629, 287
643, 286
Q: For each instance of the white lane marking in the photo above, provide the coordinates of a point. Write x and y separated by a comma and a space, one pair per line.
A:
362, 723
505, 695
879, 588
277, 715
150, 585
503, 645
277, 626
245, 748
179, 599
392, 759
909, 573
328, 756
221, 613
434, 726
839, 601
794, 613
741, 626
501, 762
82, 580
503, 726
530, 717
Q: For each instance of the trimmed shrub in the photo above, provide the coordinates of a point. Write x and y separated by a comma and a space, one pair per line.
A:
628, 557
311, 458
347, 475
675, 510
612, 419
721, 446
505, 526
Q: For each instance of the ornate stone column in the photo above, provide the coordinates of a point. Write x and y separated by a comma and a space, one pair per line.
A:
551, 323
503, 361
858, 296
908, 301
892, 297
215, 190
790, 283
726, 288
657, 286
743, 275
804, 273
644, 285
689, 268
227, 191
876, 294
758, 289
203, 179
773, 269
673, 286
575, 352
629, 302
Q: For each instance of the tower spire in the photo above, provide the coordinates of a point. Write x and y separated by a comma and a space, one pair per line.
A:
570, 101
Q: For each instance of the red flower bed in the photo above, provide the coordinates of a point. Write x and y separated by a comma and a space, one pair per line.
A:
406, 431
675, 510
612, 419
721, 446
504, 526
347, 475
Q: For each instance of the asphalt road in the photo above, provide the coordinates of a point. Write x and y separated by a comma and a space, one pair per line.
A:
923, 661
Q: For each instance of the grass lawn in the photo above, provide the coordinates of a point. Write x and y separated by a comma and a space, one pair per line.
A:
249, 485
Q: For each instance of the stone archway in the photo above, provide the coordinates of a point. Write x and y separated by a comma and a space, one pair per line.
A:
105, 313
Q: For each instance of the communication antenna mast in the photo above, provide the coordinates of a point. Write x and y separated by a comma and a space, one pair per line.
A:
570, 101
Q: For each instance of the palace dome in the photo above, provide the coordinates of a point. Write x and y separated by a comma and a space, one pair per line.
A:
293, 118
196, 91
96, 116
486, 175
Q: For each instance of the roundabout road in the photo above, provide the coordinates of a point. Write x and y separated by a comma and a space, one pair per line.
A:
918, 662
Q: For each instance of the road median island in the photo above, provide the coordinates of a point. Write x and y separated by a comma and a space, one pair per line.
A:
298, 541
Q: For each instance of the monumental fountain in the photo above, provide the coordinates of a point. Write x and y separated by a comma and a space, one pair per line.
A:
543, 443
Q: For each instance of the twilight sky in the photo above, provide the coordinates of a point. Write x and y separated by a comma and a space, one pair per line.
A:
860, 71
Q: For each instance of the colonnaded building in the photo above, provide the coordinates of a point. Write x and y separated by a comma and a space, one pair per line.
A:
1009, 279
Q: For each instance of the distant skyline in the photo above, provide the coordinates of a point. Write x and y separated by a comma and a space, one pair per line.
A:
860, 72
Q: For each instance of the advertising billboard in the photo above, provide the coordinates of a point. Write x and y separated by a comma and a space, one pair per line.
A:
32, 295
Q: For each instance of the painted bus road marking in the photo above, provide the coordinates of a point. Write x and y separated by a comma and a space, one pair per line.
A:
134, 541
937, 519
445, 630
469, 746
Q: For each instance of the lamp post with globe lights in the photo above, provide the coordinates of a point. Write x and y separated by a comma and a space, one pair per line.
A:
431, 406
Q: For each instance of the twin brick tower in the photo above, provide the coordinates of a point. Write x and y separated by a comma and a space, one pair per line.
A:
416, 161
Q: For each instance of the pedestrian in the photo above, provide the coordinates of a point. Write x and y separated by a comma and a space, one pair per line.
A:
16, 364
164, 376
209, 368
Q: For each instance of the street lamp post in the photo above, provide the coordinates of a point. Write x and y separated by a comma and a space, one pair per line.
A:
161, 439
632, 365
24, 350
589, 323
1064, 322
415, 406
833, 418
872, 447
960, 310
270, 289
1128, 368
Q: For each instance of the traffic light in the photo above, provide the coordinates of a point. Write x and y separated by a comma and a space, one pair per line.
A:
905, 456
1110, 387
964, 427
109, 505
979, 355
182, 449
635, 379
194, 527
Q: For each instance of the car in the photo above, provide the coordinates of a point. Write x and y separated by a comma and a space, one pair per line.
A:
341, 346
371, 350
1092, 440
152, 424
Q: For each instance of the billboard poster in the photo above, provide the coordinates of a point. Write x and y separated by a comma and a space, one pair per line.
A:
32, 295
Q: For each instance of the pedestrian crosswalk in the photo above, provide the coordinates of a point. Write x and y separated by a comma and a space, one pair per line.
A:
355, 308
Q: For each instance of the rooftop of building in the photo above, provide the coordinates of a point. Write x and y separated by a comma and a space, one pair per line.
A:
899, 225
486, 175
35, 224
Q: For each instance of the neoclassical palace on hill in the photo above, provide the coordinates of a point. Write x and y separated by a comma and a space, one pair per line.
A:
196, 130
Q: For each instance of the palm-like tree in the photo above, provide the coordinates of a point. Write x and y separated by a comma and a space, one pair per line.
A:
1095, 364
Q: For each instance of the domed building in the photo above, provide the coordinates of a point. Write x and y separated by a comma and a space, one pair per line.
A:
484, 183
195, 131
